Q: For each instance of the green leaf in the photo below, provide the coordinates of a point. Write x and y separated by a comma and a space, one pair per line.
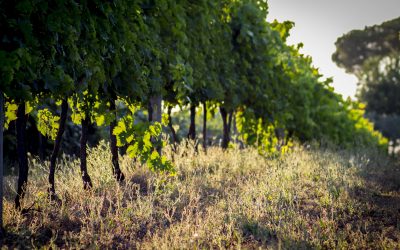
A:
133, 150
11, 113
147, 141
100, 120
154, 155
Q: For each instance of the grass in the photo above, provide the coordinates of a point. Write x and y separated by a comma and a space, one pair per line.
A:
309, 198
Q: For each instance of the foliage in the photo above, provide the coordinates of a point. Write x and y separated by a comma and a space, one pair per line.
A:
142, 140
47, 123
260, 133
380, 86
223, 53
373, 55
357, 47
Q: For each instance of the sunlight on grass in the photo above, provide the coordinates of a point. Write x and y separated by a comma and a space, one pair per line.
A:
223, 199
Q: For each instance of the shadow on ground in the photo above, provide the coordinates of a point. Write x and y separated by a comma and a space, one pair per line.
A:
380, 201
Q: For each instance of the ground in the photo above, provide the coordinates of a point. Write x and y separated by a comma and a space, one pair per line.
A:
307, 198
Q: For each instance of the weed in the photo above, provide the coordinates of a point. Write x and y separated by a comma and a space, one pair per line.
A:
223, 199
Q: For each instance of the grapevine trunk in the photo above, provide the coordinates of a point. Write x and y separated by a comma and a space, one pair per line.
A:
192, 128
22, 155
87, 182
57, 145
205, 126
113, 145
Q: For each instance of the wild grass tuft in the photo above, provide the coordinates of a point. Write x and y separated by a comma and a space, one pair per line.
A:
309, 198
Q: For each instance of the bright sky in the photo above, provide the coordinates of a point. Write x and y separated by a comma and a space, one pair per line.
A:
320, 22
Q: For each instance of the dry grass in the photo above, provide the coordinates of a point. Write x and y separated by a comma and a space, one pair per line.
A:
235, 199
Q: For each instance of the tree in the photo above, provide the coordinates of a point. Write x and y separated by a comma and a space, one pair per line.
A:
59, 35
250, 35
22, 63
380, 87
373, 55
357, 47
199, 21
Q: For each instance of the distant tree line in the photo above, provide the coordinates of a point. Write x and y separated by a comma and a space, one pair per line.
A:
373, 55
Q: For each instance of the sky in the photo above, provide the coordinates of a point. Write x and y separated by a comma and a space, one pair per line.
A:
318, 24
